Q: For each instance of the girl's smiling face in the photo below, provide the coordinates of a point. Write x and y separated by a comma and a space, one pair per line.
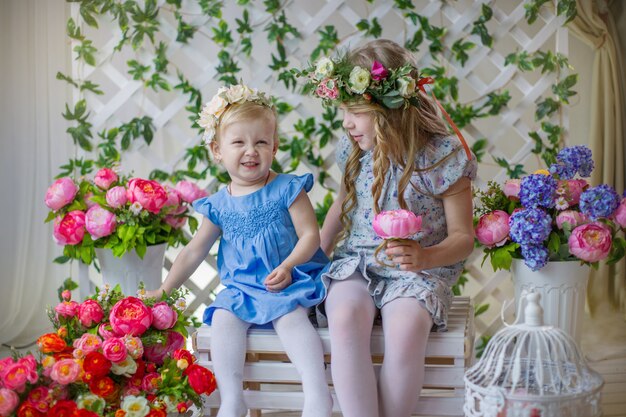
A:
360, 127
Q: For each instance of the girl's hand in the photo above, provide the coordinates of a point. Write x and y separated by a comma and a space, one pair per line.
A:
407, 254
158, 293
278, 279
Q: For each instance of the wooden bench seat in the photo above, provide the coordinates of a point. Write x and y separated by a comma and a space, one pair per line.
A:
272, 382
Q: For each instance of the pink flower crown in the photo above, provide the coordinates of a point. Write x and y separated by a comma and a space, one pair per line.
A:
337, 81
226, 96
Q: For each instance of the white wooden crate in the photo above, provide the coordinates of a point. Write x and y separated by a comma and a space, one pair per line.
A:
272, 382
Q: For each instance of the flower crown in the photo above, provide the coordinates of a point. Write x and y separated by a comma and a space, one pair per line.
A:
337, 81
226, 96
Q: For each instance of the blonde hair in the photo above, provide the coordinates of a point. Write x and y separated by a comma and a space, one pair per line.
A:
246, 111
399, 133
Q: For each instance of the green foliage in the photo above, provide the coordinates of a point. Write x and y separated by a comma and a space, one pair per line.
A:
479, 27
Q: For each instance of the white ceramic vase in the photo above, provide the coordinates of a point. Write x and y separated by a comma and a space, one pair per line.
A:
129, 270
563, 289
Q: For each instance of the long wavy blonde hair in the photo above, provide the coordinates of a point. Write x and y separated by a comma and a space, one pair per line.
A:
399, 133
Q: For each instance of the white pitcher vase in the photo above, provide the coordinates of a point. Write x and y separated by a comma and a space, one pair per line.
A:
563, 289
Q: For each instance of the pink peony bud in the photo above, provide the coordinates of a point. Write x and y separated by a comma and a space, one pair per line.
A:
60, 193
573, 190
67, 309
99, 222
189, 191
114, 349
90, 313
493, 228
175, 222
620, 214
396, 224
8, 401
116, 197
511, 188
148, 193
173, 197
105, 331
574, 218
66, 295
130, 316
590, 242
70, 229
104, 178
163, 317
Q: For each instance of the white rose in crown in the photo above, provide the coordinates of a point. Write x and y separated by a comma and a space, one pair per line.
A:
216, 106
359, 79
406, 86
209, 133
238, 93
324, 68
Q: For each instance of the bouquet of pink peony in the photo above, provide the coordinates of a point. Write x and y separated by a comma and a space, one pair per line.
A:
552, 216
118, 213
110, 355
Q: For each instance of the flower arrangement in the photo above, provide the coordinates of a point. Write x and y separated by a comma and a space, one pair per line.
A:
337, 81
552, 216
395, 225
122, 214
111, 355
226, 96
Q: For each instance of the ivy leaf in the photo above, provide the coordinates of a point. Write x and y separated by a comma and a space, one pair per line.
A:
460, 48
568, 8
546, 108
532, 10
328, 42
221, 34
86, 51
479, 148
212, 8
372, 28
415, 41
563, 89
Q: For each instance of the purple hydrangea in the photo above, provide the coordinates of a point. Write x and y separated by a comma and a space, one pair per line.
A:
538, 190
535, 256
572, 160
600, 201
530, 226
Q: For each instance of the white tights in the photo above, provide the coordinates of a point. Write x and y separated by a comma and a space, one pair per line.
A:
406, 326
301, 343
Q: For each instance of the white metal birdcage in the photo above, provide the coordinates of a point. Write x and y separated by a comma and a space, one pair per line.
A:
532, 370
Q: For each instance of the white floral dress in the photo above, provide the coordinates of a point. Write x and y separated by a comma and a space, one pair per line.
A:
433, 286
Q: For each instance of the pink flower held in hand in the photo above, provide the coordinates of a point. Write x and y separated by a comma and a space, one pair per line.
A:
116, 197
99, 222
148, 193
8, 401
60, 193
620, 214
493, 228
163, 317
574, 218
397, 224
590, 242
104, 178
70, 229
90, 313
130, 316
378, 72
189, 191
511, 188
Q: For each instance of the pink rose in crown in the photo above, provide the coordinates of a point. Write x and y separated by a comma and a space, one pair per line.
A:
99, 222
378, 72
90, 313
397, 224
189, 191
590, 242
163, 316
70, 229
327, 88
148, 193
573, 217
157, 352
8, 401
60, 193
493, 228
620, 214
116, 197
104, 178
130, 316
511, 188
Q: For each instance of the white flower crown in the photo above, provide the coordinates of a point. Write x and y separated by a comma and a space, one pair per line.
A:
226, 96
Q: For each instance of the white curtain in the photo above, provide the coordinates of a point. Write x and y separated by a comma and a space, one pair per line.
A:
33, 47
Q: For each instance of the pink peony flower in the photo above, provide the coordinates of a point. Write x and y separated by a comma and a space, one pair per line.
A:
105, 331
163, 317
66, 295
90, 313
189, 191
378, 72
87, 343
114, 349
150, 382
175, 222
620, 214
130, 316
8, 401
65, 371
88, 201
116, 197
573, 217
60, 193
99, 222
573, 190
104, 178
4, 365
148, 193
16, 376
590, 242
70, 229
157, 352
493, 228
67, 308
134, 346
511, 188
396, 224
40, 398
173, 197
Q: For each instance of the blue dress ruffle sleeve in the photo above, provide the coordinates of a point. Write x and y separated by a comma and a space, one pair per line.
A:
257, 235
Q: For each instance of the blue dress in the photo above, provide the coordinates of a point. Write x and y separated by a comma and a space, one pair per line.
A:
257, 235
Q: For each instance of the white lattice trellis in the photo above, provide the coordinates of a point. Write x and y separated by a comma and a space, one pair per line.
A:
484, 72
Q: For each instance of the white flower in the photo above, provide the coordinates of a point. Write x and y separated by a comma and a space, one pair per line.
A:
324, 68
170, 403
181, 304
238, 93
406, 86
209, 134
90, 401
135, 406
359, 79
216, 106
135, 208
127, 367
561, 203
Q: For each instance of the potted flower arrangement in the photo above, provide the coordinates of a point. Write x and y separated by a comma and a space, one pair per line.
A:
118, 213
110, 355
